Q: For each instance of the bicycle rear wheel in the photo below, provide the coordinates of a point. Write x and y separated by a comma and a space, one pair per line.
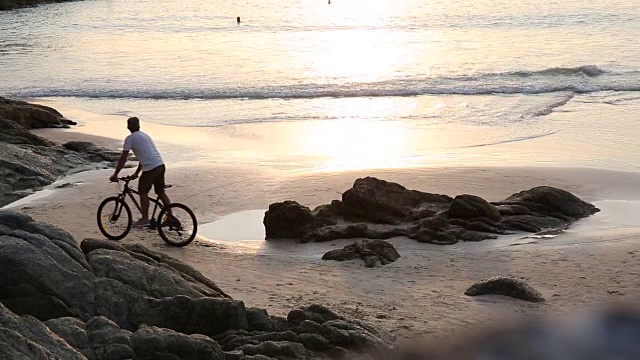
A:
177, 225
114, 218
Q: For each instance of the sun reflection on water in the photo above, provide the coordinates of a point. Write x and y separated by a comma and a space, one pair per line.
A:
351, 144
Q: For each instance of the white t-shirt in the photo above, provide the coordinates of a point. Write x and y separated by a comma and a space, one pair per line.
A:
144, 149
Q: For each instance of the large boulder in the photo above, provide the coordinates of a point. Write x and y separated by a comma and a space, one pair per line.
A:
30, 116
379, 201
291, 220
45, 275
547, 200
15, 4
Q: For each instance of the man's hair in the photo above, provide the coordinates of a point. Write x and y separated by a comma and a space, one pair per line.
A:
133, 123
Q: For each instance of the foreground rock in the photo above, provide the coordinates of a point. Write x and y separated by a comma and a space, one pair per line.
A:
377, 209
501, 285
371, 251
29, 162
104, 301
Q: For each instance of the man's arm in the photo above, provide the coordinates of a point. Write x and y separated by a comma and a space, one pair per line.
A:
121, 163
138, 170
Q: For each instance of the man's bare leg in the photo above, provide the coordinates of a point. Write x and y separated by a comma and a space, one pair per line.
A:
144, 207
165, 199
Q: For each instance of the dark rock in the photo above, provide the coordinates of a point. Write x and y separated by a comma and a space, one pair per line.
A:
150, 343
12, 132
48, 278
551, 201
374, 250
94, 152
15, 4
24, 337
205, 315
315, 342
434, 237
471, 206
506, 210
435, 223
68, 122
505, 286
98, 339
278, 350
29, 162
146, 274
234, 355
29, 116
259, 320
534, 222
128, 302
89, 244
186, 271
333, 232
379, 201
289, 219
376, 209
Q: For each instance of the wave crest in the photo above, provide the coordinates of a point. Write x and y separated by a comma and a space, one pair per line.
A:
577, 80
587, 70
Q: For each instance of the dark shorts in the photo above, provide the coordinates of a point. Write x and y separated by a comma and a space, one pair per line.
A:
153, 177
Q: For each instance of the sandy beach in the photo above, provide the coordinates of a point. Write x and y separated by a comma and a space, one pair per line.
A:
419, 298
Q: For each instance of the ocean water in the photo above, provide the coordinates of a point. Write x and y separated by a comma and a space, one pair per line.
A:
485, 81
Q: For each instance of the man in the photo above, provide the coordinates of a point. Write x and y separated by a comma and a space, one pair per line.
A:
150, 163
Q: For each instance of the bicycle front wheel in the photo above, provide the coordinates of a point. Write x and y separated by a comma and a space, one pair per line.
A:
177, 225
114, 218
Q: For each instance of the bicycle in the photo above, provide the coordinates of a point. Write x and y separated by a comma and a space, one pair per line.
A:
114, 217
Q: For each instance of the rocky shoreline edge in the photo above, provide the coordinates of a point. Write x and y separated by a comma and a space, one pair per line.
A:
29, 162
16, 4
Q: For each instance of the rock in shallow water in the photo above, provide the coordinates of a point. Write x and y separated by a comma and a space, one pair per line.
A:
377, 209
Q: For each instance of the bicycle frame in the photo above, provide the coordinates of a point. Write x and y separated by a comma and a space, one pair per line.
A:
127, 191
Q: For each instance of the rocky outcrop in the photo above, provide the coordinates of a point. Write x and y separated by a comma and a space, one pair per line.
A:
379, 201
30, 116
103, 301
371, 251
501, 285
377, 209
28, 161
15, 4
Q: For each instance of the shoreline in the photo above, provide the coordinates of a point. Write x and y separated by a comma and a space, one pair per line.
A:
420, 296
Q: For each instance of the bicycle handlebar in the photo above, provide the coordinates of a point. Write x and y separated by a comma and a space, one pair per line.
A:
126, 178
